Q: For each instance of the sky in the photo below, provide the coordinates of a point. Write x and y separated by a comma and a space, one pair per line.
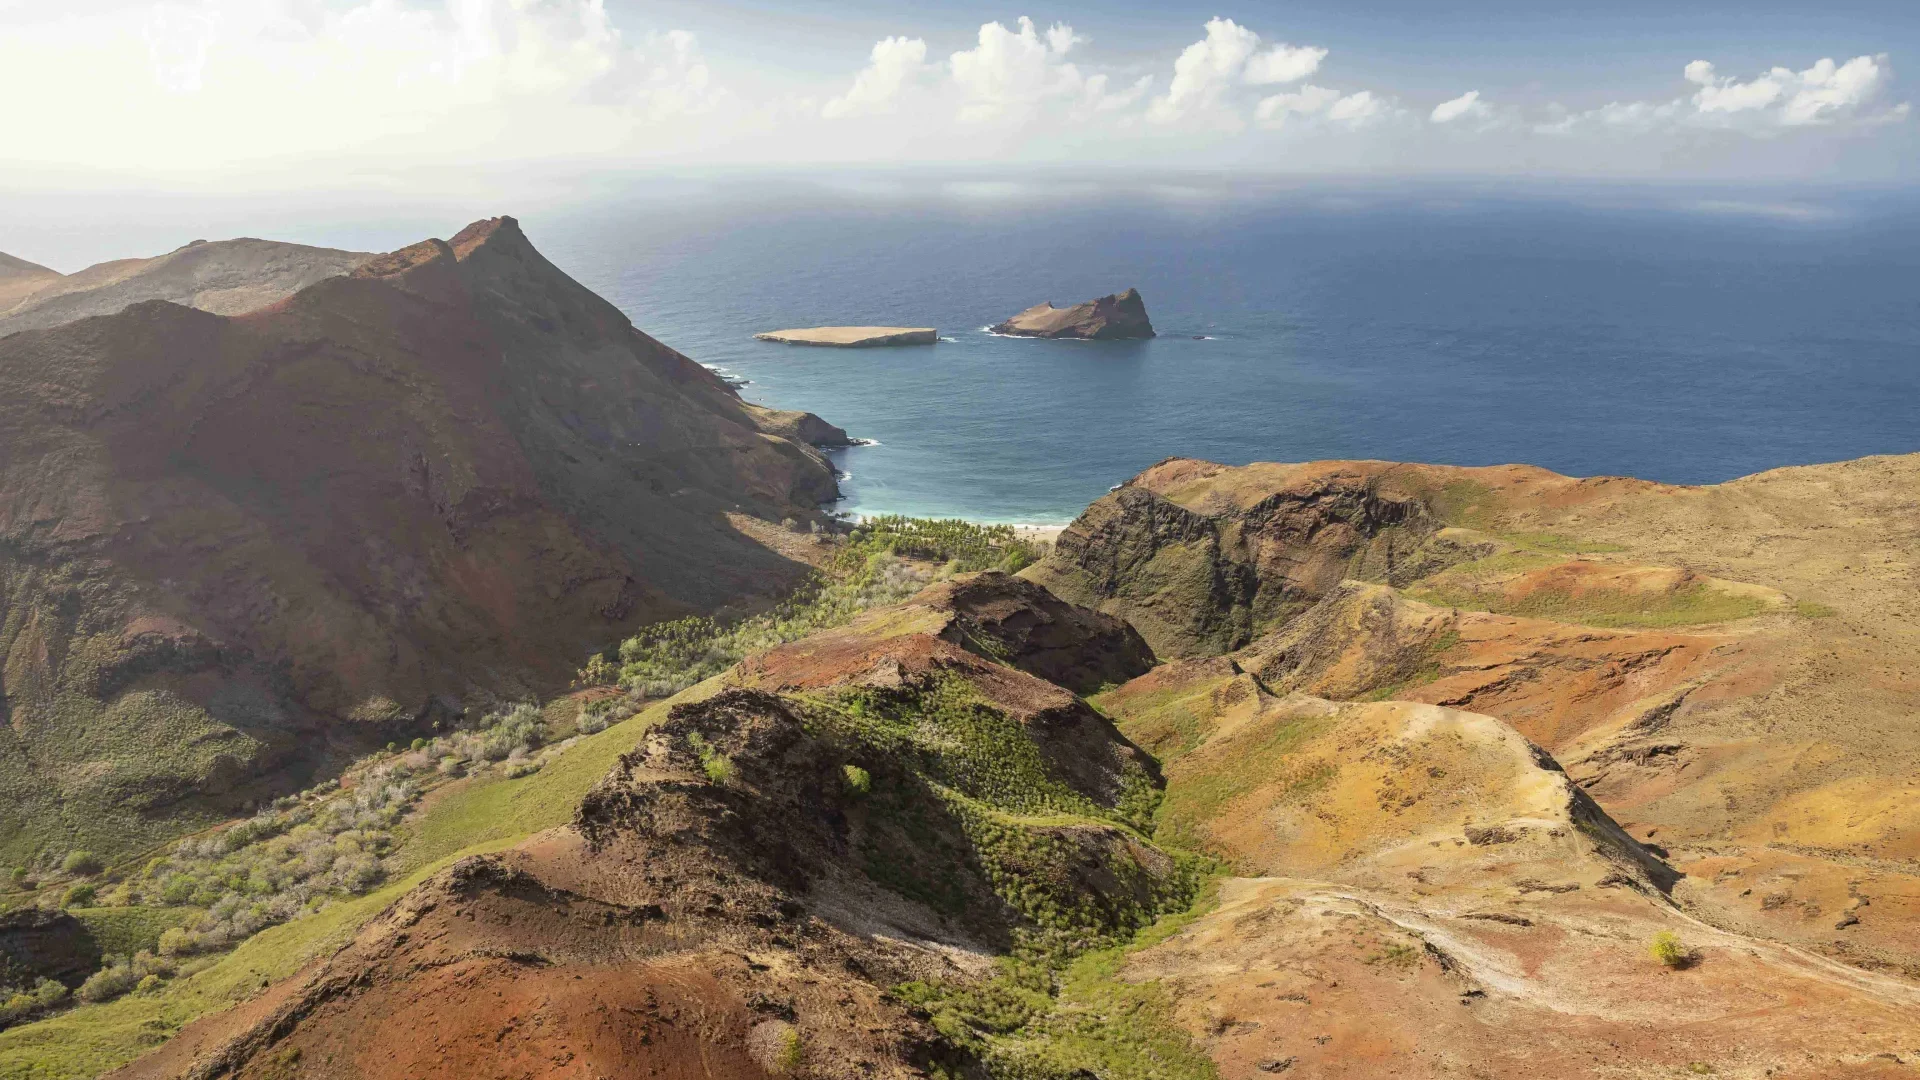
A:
260, 95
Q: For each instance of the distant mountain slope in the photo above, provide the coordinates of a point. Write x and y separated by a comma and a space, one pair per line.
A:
20, 279
230, 547
227, 277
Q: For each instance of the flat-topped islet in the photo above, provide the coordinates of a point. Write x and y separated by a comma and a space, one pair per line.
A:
854, 337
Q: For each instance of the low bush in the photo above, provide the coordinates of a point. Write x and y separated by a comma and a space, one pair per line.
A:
79, 895
81, 862
17, 1005
122, 974
1667, 949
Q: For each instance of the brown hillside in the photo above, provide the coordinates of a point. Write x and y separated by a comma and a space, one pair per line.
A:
20, 279
226, 277
1728, 670
229, 544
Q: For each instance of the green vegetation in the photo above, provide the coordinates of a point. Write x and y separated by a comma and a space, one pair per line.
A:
128, 930
1260, 760
83, 863
1166, 723
1667, 949
1808, 609
791, 1053
17, 1005
1554, 543
480, 813
859, 780
1694, 604
1048, 1015
882, 561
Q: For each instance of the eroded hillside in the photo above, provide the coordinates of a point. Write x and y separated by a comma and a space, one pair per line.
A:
1730, 671
895, 848
237, 551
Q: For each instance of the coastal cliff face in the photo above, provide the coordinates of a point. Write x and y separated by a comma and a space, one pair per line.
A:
235, 549
1120, 316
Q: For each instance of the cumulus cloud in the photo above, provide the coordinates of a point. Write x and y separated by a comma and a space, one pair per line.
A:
1824, 95
1466, 105
1010, 75
893, 63
161, 86
1229, 55
1326, 107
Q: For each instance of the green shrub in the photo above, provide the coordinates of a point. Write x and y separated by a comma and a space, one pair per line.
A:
21, 1004
791, 1052
122, 975
1667, 949
81, 862
79, 896
859, 780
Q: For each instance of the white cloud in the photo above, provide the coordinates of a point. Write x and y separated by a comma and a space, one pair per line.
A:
1319, 104
1284, 64
1011, 71
893, 62
1009, 76
1467, 104
1207, 70
1824, 95
329, 89
1309, 100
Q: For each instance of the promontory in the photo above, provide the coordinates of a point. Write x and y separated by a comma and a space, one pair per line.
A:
1122, 315
854, 337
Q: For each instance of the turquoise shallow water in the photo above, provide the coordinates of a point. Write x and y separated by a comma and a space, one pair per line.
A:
1687, 340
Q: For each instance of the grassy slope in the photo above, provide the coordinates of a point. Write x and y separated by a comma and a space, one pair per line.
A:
473, 818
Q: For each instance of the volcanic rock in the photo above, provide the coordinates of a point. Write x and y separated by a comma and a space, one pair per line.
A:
1122, 315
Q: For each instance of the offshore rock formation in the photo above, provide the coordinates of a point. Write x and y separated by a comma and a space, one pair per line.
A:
1122, 315
226, 277
854, 337
231, 547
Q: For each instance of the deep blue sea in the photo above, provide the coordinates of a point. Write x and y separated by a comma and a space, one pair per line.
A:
1678, 337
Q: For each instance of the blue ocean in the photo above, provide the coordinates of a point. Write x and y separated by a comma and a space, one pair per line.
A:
1681, 336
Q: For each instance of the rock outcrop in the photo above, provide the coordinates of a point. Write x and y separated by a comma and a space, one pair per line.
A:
854, 337
231, 547
1122, 315
226, 277
38, 944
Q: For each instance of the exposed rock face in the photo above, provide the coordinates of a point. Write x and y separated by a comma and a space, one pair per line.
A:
1204, 575
227, 277
800, 427
1122, 315
854, 337
37, 944
228, 543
